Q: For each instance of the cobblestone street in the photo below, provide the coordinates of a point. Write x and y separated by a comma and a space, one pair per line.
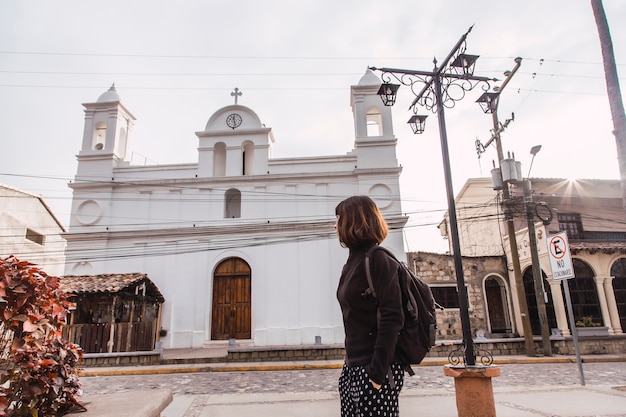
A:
267, 393
325, 380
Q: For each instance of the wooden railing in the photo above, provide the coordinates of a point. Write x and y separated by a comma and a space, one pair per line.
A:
125, 337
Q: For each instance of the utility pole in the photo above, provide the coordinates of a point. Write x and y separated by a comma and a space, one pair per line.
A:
510, 223
537, 274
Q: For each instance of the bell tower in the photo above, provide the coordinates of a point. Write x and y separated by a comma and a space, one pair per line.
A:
105, 137
107, 126
375, 142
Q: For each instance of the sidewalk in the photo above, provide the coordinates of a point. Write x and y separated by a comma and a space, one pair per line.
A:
528, 402
510, 401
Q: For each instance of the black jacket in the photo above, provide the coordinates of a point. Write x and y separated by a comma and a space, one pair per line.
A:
367, 343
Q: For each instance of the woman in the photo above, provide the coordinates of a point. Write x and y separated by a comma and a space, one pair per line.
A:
371, 324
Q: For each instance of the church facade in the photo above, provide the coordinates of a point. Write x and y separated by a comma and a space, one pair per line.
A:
241, 245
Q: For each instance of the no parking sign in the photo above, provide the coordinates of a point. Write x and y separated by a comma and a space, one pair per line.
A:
560, 258
562, 269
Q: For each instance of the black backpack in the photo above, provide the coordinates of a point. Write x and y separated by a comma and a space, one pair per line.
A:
420, 325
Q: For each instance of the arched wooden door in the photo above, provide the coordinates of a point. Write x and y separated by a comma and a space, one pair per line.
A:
232, 312
497, 309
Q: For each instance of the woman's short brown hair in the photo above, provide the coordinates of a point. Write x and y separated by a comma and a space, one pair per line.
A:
360, 222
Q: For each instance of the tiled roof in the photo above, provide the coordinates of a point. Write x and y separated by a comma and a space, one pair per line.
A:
107, 283
599, 246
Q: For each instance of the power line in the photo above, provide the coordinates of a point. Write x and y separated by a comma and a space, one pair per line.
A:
176, 88
235, 57
181, 74
280, 58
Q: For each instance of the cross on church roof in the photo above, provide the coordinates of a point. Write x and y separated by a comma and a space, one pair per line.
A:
236, 94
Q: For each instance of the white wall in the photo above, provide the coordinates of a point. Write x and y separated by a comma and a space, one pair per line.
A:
168, 221
20, 211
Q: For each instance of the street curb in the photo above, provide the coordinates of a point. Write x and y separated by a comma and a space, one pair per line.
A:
204, 368
295, 366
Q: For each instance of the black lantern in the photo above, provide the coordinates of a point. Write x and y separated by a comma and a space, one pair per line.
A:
465, 62
488, 102
388, 93
417, 123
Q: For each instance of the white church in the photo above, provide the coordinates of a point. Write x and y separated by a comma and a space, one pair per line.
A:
240, 244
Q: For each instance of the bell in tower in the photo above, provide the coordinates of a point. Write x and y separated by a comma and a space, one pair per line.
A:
375, 142
107, 126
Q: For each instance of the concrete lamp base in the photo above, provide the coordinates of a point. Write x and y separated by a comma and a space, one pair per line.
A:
474, 392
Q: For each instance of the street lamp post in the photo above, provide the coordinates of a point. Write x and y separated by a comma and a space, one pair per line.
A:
454, 73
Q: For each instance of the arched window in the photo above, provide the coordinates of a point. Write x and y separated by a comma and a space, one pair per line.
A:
232, 204
121, 143
99, 136
219, 159
584, 293
618, 270
83, 268
248, 158
531, 300
374, 122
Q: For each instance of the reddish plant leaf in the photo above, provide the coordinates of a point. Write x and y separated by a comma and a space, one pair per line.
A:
29, 327
41, 369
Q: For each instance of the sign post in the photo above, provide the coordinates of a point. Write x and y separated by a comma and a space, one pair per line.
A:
563, 269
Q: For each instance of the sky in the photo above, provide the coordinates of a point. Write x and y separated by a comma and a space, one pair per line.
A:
175, 63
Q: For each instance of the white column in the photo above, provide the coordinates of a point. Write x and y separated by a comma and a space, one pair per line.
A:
604, 309
609, 292
517, 316
559, 306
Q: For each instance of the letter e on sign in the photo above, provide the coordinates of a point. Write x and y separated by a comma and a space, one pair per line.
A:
560, 258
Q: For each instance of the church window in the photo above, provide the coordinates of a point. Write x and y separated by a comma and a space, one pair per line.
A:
374, 122
219, 159
121, 143
99, 136
248, 158
232, 204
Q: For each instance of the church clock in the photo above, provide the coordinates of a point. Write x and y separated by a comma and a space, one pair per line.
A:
233, 120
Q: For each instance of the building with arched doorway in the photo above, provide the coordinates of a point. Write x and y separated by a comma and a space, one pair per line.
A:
592, 214
240, 244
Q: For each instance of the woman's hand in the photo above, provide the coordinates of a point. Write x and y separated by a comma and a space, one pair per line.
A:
375, 385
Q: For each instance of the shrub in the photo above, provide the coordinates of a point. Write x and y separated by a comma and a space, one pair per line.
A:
587, 321
39, 370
